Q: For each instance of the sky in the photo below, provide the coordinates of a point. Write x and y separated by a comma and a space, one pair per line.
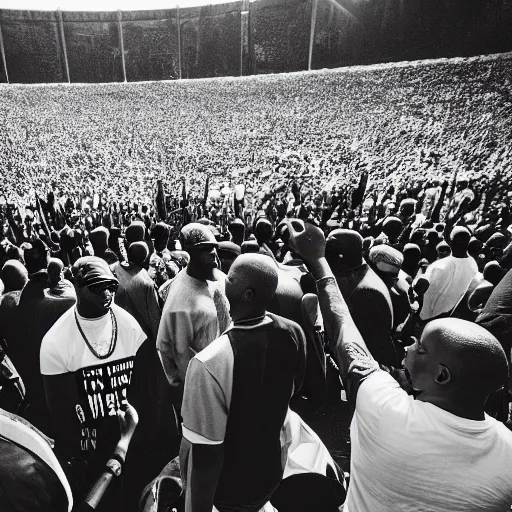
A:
101, 5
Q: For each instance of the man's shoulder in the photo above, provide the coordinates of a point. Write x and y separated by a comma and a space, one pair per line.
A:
60, 335
504, 434
125, 319
369, 280
218, 350
183, 289
62, 324
281, 323
371, 287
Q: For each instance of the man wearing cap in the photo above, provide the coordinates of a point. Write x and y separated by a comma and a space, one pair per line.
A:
387, 262
87, 361
196, 310
364, 292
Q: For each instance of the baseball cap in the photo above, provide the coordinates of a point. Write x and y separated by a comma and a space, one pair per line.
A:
91, 270
197, 236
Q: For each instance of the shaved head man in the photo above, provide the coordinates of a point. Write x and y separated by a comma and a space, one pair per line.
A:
250, 285
237, 393
435, 451
456, 365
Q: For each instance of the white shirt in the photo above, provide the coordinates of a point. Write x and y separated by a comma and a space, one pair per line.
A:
64, 350
409, 455
449, 280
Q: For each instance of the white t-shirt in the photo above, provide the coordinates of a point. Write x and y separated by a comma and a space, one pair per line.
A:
449, 280
409, 455
64, 350
102, 384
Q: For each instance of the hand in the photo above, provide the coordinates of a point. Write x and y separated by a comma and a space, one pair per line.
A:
306, 240
128, 420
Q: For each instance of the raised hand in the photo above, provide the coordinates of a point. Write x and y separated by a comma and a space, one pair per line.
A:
306, 240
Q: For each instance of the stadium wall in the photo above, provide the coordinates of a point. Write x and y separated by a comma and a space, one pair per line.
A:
242, 37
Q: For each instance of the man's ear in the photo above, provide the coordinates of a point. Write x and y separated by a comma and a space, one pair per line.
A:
248, 295
443, 375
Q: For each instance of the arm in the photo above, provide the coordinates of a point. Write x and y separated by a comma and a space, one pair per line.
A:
205, 411
173, 342
348, 347
201, 465
128, 420
480, 296
436, 211
153, 311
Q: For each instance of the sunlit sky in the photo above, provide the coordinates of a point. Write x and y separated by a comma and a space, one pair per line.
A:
101, 5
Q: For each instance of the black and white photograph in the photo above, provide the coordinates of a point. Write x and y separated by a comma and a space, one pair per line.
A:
255, 256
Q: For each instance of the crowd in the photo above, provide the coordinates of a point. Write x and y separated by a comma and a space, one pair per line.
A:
394, 121
169, 344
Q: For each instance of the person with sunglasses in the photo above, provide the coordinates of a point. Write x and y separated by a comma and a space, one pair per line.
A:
87, 362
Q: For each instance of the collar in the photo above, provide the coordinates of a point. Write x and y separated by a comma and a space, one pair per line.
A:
250, 323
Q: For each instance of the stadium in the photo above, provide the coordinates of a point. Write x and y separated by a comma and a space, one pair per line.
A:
247, 214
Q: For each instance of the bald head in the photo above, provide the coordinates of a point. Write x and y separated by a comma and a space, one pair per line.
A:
392, 227
137, 253
250, 285
459, 241
344, 248
55, 268
457, 362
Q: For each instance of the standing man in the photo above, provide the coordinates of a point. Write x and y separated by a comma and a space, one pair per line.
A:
137, 293
196, 310
436, 451
449, 278
237, 394
24, 326
87, 361
364, 292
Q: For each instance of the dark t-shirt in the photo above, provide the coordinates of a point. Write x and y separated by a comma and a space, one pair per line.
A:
496, 316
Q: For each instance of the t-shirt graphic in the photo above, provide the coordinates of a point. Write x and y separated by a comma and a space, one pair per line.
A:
102, 384
103, 389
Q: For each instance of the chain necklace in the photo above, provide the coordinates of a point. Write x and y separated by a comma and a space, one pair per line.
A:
113, 339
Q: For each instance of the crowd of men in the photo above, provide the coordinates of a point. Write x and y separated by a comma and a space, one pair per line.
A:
174, 358
180, 301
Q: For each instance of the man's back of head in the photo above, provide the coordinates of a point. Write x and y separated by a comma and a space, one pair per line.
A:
344, 249
456, 365
250, 285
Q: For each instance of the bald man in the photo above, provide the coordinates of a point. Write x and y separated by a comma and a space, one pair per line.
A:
237, 392
438, 451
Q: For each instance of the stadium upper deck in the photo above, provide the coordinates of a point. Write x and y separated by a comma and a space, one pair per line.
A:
242, 38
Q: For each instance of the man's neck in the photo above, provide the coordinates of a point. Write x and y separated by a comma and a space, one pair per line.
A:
90, 313
473, 410
199, 273
250, 318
